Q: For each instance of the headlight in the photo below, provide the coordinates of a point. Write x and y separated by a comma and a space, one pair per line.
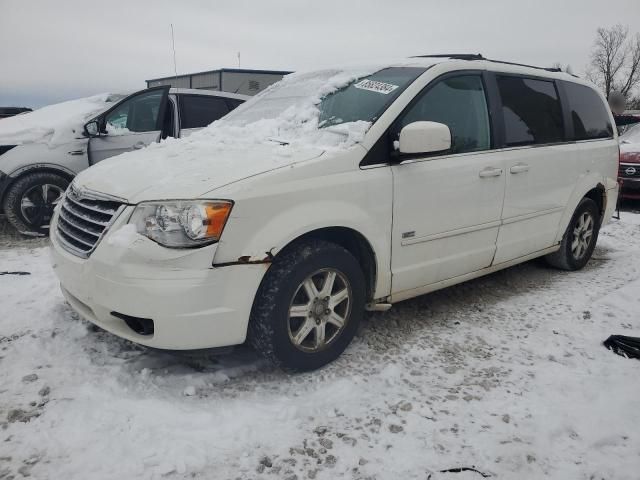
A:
182, 223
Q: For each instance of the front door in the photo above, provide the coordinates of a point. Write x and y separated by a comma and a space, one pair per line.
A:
132, 124
447, 208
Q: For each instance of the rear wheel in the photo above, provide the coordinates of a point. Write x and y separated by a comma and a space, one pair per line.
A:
308, 307
579, 239
30, 201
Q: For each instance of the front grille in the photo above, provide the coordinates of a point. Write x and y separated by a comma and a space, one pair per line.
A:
629, 170
83, 219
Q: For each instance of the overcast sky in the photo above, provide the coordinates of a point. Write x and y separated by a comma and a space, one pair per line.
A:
57, 50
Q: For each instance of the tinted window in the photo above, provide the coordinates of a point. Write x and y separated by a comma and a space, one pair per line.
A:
589, 114
233, 103
531, 111
459, 103
199, 111
137, 114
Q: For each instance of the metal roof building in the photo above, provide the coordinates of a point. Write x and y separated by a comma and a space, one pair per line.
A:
233, 80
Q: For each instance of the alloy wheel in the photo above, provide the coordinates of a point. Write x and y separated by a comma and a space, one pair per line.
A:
582, 235
319, 310
38, 202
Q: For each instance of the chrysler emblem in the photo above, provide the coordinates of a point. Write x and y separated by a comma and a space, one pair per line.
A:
630, 171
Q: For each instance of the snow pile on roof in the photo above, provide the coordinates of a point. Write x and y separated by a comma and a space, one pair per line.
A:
288, 112
54, 124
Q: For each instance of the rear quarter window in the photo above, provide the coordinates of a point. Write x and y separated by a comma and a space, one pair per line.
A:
589, 113
197, 111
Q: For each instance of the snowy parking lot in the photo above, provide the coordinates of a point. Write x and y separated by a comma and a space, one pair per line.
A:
505, 375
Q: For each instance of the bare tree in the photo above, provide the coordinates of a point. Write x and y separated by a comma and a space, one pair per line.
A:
615, 60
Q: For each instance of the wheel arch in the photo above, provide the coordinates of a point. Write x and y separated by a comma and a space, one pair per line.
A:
23, 172
591, 187
352, 241
599, 195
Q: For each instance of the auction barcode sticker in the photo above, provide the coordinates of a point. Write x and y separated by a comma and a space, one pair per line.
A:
373, 86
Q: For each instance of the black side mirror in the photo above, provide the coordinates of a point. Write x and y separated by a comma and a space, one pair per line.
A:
92, 128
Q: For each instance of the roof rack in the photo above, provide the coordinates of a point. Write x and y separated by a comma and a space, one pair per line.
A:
548, 69
478, 56
456, 56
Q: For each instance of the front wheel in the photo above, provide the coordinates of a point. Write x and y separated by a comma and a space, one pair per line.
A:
30, 201
308, 307
579, 239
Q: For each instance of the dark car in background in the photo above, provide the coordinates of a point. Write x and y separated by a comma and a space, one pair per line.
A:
6, 112
629, 172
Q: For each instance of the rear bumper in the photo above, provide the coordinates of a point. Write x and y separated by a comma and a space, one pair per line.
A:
192, 304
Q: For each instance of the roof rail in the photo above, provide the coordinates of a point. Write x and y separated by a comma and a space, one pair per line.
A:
456, 56
548, 69
478, 56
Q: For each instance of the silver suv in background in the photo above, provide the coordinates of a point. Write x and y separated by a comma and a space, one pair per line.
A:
34, 172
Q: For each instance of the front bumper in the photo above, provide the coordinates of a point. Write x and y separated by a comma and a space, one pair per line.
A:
630, 188
192, 304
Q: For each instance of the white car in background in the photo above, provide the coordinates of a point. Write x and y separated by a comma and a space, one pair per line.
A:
333, 192
41, 151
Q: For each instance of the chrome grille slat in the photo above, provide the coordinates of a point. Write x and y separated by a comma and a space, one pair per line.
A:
104, 211
70, 247
81, 225
78, 213
68, 233
635, 169
83, 219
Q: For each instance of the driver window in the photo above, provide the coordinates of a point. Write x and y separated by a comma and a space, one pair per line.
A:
137, 114
459, 103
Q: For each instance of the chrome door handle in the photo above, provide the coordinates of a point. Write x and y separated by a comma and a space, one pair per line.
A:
490, 172
519, 168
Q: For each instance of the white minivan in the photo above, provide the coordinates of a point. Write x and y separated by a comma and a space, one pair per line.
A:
333, 192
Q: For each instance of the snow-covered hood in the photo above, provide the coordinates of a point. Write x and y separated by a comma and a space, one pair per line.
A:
185, 173
275, 129
55, 124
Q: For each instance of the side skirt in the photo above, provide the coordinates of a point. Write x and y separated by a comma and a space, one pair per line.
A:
415, 292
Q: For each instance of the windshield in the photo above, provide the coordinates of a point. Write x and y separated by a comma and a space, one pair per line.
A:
632, 135
338, 96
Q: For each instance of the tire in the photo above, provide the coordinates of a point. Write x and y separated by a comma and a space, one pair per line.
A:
279, 336
32, 190
569, 256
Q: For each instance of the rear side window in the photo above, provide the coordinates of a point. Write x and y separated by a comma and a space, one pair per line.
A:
197, 111
459, 103
233, 103
589, 114
531, 111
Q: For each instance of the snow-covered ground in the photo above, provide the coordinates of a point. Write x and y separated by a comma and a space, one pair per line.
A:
506, 374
